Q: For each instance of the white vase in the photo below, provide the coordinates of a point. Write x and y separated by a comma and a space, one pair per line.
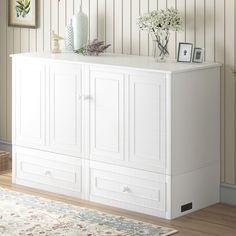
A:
69, 37
80, 28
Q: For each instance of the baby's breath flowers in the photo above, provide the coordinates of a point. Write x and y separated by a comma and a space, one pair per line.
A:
159, 23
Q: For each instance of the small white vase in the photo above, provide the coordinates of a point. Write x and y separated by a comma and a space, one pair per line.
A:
69, 37
80, 28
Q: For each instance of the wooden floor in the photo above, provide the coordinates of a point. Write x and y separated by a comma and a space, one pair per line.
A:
218, 220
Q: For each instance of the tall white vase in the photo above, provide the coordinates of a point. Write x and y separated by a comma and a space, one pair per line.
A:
80, 29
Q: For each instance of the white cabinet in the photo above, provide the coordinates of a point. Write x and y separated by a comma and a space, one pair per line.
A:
49, 171
106, 116
118, 130
49, 107
128, 112
147, 125
30, 99
128, 188
65, 109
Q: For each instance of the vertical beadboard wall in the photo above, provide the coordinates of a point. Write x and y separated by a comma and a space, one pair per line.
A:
208, 24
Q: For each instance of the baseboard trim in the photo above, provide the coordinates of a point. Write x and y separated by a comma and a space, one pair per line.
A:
228, 194
5, 146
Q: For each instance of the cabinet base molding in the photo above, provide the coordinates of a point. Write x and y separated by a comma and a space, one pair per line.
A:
199, 187
228, 194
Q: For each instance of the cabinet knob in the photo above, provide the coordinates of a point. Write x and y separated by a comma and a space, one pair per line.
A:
47, 172
83, 97
125, 189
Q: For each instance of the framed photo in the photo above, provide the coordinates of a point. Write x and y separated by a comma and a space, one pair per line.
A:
22, 13
185, 52
198, 55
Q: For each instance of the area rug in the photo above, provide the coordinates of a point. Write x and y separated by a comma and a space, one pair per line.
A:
26, 215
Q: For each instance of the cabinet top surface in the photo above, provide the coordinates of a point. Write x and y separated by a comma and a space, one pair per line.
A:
121, 60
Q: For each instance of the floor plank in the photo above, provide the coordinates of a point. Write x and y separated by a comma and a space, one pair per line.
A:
217, 220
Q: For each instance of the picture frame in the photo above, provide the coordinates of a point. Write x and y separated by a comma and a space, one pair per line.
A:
198, 55
185, 52
22, 13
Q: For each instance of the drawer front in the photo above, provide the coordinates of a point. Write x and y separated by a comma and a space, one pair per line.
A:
127, 188
48, 171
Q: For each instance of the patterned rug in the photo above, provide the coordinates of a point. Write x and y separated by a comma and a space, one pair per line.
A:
26, 215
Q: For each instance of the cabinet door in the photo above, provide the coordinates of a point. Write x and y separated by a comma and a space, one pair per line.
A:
147, 122
65, 112
107, 116
29, 103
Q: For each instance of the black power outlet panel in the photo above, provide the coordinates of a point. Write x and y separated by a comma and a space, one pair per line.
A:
187, 207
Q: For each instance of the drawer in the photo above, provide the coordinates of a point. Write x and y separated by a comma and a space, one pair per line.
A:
48, 171
128, 188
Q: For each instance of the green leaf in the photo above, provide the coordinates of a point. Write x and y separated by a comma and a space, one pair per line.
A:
19, 7
80, 51
20, 3
27, 5
27, 11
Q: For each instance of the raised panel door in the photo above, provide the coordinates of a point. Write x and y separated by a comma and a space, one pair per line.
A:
106, 116
65, 112
147, 133
30, 98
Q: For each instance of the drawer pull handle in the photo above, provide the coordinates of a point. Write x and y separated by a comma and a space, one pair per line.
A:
126, 189
83, 97
47, 172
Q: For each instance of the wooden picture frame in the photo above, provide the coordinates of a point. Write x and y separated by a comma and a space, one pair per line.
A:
22, 13
185, 52
198, 55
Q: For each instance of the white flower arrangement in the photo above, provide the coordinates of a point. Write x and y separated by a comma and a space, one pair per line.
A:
159, 23
161, 20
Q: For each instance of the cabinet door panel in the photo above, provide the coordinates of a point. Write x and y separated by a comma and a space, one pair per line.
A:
107, 122
65, 109
30, 103
147, 122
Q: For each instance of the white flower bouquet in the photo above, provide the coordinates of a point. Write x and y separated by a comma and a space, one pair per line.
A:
159, 23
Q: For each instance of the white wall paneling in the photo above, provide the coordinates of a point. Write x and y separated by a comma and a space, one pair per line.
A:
229, 104
220, 56
190, 20
3, 72
135, 34
200, 23
152, 6
143, 34
127, 39
208, 23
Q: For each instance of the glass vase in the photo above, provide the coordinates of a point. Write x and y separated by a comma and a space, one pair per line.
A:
160, 47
